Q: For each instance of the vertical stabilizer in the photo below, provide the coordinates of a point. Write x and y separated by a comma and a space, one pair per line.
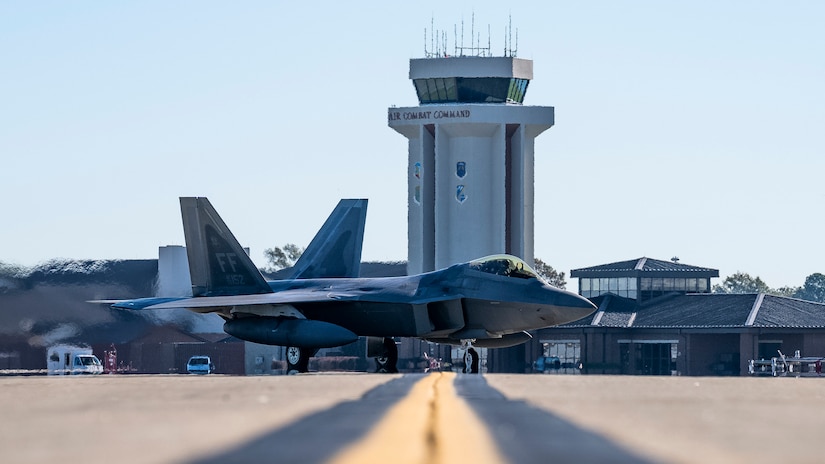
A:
336, 249
218, 264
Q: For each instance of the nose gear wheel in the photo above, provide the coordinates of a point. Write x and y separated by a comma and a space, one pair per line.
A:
386, 363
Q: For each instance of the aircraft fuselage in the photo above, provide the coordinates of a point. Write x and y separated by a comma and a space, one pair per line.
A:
451, 304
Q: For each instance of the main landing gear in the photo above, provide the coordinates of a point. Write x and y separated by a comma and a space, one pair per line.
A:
297, 359
471, 358
386, 362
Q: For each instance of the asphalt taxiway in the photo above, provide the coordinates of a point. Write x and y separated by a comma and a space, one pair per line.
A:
422, 418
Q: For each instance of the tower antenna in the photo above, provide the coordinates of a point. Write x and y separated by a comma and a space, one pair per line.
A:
437, 45
472, 28
509, 49
462, 36
444, 40
455, 39
432, 35
508, 40
515, 51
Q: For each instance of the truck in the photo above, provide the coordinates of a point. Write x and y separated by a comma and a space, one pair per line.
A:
72, 360
200, 365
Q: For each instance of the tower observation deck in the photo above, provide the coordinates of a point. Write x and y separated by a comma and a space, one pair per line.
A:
471, 152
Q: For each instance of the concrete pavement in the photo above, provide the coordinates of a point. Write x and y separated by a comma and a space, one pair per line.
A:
326, 417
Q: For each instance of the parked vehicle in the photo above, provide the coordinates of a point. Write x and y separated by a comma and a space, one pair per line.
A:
72, 360
200, 365
547, 363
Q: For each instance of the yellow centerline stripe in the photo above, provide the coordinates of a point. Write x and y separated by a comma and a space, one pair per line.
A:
432, 424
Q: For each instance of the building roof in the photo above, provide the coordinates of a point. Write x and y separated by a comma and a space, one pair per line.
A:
696, 310
614, 311
644, 266
705, 310
471, 67
777, 311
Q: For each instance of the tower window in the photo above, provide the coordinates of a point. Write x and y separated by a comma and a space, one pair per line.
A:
470, 90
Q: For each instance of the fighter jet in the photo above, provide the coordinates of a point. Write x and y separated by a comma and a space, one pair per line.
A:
489, 302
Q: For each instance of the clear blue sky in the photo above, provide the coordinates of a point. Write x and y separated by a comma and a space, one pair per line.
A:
690, 129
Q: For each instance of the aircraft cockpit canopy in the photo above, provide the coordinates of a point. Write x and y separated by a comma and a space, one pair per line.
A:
504, 265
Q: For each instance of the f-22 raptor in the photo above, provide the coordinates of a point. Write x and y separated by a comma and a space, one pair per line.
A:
488, 302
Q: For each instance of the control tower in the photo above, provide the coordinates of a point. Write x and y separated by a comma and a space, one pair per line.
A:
470, 169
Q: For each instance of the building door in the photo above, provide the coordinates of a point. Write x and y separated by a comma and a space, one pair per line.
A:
655, 359
648, 358
769, 348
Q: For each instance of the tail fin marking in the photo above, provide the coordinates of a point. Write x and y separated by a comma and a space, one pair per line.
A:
217, 263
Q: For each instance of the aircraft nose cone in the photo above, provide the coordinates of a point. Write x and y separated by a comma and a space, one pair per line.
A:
575, 306
578, 301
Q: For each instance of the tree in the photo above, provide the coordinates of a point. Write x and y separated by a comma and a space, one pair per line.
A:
813, 289
742, 282
282, 258
787, 291
550, 275
12, 271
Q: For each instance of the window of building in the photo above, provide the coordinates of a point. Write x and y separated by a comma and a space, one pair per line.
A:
518, 87
621, 286
653, 287
648, 287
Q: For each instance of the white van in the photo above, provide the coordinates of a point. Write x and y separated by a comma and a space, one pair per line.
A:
200, 365
72, 360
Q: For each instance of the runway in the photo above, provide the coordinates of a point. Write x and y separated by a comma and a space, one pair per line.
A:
415, 418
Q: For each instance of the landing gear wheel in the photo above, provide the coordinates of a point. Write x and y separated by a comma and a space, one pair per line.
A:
297, 360
386, 363
471, 361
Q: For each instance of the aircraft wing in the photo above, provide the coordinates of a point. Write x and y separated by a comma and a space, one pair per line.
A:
140, 303
285, 297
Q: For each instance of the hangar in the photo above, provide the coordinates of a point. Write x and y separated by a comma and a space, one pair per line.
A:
659, 318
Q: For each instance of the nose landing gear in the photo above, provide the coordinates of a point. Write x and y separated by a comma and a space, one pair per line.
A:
386, 362
471, 358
